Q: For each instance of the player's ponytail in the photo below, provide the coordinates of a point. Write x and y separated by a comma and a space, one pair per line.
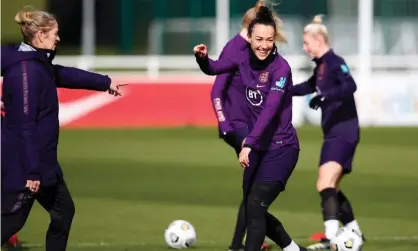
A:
32, 20
317, 28
251, 13
317, 19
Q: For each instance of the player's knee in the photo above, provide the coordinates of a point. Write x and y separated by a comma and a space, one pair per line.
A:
61, 221
329, 175
256, 207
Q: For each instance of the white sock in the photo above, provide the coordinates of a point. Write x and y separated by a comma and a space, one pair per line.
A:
331, 228
292, 247
354, 225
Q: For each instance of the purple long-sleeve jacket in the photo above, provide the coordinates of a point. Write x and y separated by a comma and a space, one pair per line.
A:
268, 97
333, 80
30, 127
228, 92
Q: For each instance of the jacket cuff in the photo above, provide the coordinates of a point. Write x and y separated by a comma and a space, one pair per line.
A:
225, 127
33, 176
249, 146
108, 82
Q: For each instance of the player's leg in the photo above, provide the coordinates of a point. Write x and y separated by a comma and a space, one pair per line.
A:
276, 232
335, 161
240, 226
328, 175
58, 202
240, 229
268, 183
346, 213
15, 209
259, 200
260, 222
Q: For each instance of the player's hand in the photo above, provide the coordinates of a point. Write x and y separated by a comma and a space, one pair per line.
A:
201, 50
114, 89
316, 101
244, 158
33, 185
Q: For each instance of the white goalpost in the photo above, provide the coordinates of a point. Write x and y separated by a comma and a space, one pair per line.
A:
365, 33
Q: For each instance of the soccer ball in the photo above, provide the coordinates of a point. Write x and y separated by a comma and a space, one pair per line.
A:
347, 239
180, 234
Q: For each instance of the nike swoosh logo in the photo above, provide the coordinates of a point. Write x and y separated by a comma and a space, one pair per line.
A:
259, 86
71, 111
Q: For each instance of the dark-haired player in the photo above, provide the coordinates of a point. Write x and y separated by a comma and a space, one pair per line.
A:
334, 87
271, 150
230, 106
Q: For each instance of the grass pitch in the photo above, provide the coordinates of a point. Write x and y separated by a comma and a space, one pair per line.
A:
128, 185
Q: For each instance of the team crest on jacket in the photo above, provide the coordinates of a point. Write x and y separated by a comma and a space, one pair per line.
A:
264, 76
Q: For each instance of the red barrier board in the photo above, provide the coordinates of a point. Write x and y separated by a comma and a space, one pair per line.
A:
142, 105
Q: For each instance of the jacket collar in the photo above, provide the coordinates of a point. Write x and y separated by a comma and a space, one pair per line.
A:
328, 54
50, 54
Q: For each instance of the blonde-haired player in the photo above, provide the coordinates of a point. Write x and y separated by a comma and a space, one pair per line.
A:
334, 87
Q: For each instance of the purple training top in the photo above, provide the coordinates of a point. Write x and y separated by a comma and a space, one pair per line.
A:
267, 85
333, 80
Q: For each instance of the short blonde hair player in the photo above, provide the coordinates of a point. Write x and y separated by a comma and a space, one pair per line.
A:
334, 89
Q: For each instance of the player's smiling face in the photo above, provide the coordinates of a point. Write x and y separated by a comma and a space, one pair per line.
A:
262, 40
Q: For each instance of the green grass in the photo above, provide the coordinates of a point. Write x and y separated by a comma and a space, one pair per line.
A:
128, 185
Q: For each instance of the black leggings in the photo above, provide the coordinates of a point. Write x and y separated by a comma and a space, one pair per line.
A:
56, 200
261, 223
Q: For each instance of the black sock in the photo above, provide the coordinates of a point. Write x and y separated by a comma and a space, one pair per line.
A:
330, 204
240, 229
345, 214
276, 232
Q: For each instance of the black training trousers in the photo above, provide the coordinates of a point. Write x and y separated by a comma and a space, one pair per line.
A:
259, 221
15, 209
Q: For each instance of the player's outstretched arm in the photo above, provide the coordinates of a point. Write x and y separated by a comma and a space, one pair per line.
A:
74, 78
211, 67
304, 88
